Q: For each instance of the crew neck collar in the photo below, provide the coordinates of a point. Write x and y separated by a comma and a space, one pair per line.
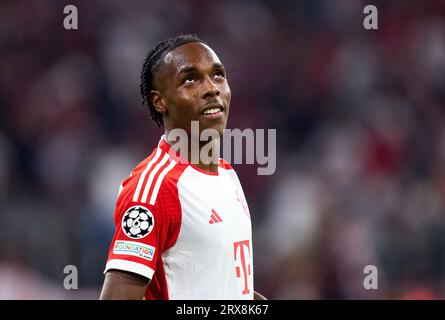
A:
164, 145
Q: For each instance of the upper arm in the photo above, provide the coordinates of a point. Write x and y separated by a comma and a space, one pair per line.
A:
258, 296
143, 229
137, 240
121, 285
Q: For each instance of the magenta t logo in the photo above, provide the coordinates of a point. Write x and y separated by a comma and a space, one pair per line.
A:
245, 262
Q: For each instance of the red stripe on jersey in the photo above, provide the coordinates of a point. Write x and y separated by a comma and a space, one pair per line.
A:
224, 164
171, 214
157, 289
166, 211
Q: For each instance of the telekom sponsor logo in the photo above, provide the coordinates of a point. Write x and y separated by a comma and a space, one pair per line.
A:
243, 257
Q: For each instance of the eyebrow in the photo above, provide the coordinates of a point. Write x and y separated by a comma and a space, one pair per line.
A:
188, 69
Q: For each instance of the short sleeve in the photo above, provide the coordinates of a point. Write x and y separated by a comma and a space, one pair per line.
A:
147, 219
136, 242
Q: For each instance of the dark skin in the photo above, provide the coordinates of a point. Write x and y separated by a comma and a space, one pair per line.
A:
192, 79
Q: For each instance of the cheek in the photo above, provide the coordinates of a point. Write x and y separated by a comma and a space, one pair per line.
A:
184, 106
227, 93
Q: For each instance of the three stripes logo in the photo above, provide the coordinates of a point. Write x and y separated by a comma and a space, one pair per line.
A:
215, 218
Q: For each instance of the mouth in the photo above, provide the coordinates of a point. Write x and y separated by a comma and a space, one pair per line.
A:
212, 111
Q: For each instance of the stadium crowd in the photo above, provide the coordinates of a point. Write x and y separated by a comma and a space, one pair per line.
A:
360, 120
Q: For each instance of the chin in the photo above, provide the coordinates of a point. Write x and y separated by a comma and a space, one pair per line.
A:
218, 126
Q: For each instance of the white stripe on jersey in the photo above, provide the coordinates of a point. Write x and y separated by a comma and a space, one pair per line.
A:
144, 173
130, 266
159, 181
151, 177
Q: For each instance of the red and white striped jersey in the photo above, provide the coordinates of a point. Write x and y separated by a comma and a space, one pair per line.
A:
186, 229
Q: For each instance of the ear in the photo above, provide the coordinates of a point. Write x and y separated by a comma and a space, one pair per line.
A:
158, 101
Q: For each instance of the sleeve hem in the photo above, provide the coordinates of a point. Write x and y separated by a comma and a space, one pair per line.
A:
130, 266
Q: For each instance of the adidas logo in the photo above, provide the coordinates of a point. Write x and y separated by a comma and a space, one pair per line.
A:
215, 218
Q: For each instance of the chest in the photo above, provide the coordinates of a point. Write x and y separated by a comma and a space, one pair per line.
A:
214, 209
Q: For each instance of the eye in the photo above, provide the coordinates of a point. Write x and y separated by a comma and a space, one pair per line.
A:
219, 74
190, 79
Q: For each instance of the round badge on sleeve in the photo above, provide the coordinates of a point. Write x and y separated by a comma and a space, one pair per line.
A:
138, 222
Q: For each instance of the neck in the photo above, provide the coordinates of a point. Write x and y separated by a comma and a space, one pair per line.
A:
198, 153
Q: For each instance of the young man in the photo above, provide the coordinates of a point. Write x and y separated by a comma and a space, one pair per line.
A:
183, 229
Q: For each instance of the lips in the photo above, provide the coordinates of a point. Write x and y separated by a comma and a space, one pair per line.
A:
212, 109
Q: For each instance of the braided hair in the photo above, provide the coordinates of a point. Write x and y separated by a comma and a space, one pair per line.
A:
153, 63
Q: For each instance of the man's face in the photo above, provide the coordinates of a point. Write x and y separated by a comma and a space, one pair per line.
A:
193, 86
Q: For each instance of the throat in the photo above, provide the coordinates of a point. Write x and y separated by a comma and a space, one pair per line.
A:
203, 154
212, 167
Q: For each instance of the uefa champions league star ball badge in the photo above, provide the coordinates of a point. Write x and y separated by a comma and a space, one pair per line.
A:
137, 222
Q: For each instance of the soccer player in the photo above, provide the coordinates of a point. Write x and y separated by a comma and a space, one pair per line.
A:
183, 229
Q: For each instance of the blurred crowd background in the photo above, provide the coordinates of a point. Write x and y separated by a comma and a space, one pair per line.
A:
360, 120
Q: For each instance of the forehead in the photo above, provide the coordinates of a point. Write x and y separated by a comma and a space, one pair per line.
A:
194, 54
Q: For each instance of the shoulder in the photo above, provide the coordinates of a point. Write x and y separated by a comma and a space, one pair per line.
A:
224, 164
230, 172
146, 180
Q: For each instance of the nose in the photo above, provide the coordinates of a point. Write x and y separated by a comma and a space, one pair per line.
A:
210, 88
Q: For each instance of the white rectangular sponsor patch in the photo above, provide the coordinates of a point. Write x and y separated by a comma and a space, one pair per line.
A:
134, 249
